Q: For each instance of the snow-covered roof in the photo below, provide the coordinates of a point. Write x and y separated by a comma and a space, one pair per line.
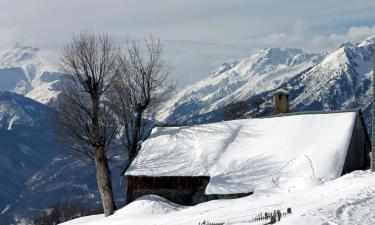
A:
242, 156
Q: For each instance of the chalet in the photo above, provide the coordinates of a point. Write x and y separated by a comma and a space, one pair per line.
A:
193, 164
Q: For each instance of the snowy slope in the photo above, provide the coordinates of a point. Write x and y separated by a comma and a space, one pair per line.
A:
243, 156
340, 79
347, 200
23, 71
264, 70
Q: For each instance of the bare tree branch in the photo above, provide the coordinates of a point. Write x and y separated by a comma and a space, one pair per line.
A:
140, 90
83, 117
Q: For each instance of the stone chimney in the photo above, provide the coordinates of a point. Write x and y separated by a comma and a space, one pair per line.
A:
281, 102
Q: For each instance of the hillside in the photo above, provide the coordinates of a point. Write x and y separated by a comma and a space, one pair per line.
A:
26, 143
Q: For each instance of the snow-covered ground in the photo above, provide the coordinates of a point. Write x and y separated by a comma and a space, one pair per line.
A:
347, 200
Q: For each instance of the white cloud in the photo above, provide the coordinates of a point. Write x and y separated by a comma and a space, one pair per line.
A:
285, 39
354, 34
314, 41
280, 39
235, 28
7, 37
299, 26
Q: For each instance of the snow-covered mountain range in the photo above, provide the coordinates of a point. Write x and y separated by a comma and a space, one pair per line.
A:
339, 79
23, 71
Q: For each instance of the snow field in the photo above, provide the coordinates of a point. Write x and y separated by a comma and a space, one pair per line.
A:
347, 200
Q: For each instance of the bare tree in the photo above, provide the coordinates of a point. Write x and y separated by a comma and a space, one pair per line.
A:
235, 110
257, 105
139, 92
90, 64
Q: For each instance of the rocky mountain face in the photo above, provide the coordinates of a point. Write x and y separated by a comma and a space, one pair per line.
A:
24, 72
35, 170
340, 79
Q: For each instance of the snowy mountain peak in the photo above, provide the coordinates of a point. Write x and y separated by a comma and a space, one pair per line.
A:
273, 59
278, 53
346, 44
19, 55
23, 71
368, 41
224, 67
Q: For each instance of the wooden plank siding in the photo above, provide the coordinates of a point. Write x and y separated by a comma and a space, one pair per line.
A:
358, 154
178, 183
183, 190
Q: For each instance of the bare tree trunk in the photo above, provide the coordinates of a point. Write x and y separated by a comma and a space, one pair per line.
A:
103, 173
103, 177
135, 135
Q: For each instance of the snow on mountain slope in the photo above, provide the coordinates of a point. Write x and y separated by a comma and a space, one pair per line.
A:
23, 71
265, 70
347, 200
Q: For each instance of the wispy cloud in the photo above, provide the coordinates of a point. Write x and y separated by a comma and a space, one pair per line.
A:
206, 32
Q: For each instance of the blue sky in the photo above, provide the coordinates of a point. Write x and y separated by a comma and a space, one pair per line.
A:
198, 34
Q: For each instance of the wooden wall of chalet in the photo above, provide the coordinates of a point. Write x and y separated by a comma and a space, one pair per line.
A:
184, 190
358, 155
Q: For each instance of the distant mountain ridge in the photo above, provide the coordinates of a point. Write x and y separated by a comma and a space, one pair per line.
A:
340, 79
35, 170
264, 70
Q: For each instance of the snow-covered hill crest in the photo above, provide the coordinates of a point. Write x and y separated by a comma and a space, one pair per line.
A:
24, 72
